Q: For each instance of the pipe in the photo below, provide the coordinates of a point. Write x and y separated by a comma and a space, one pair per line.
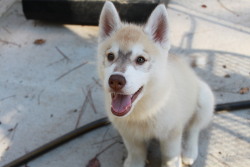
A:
95, 125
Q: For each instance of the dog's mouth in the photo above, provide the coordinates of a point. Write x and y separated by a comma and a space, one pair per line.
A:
121, 103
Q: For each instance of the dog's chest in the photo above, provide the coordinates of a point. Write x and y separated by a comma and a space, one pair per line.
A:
138, 129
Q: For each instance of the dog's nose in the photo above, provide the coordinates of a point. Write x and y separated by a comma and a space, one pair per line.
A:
117, 82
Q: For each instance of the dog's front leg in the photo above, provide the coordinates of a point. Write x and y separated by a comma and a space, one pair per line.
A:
171, 150
136, 153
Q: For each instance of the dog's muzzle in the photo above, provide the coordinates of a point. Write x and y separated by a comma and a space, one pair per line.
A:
121, 103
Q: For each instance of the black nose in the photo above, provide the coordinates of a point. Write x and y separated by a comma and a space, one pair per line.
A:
117, 82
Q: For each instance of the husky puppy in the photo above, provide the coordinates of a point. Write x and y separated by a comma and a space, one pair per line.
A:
148, 92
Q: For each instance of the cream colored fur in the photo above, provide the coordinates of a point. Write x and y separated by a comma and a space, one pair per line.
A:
174, 99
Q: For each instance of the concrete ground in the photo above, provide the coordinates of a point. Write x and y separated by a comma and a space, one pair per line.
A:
49, 85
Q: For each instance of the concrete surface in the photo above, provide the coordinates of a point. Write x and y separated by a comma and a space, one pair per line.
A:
5, 5
46, 84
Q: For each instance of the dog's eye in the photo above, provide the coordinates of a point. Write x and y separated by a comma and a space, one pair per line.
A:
110, 56
140, 60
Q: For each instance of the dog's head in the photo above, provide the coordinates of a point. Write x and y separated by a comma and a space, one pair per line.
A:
128, 54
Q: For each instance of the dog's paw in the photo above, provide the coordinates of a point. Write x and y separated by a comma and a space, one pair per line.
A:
174, 162
187, 161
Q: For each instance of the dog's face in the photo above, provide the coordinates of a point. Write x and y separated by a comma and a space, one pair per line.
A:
128, 56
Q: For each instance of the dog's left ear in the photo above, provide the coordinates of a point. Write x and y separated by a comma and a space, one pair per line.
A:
157, 26
109, 21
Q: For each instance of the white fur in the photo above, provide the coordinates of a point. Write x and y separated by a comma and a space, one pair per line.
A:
174, 100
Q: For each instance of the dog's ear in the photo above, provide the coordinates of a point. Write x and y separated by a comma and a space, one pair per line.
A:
109, 21
157, 26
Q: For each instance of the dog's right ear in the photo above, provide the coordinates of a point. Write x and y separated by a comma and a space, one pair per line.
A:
109, 21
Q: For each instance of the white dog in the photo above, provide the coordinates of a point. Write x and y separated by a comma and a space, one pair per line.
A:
149, 93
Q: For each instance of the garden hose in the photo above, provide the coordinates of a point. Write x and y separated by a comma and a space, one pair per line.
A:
57, 142
95, 125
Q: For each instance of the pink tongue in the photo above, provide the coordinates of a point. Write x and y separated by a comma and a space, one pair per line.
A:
121, 102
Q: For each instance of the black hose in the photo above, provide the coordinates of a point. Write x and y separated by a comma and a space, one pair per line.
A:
97, 124
232, 106
57, 142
